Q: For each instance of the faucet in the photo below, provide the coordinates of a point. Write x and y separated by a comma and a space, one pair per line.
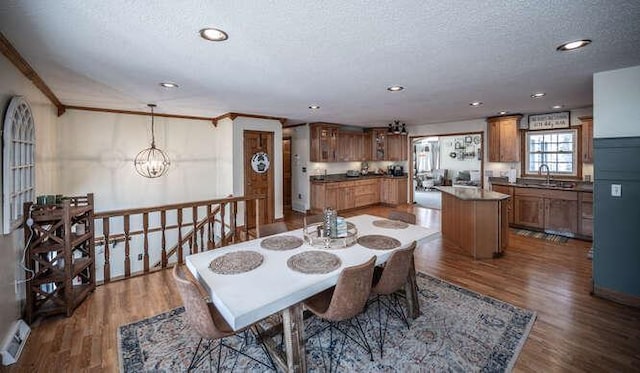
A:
540, 171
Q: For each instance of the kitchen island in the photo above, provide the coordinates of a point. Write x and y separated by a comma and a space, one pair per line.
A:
475, 220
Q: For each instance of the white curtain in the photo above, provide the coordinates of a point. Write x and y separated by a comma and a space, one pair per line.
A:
428, 156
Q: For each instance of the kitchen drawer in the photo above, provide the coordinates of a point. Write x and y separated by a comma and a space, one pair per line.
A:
546, 193
366, 199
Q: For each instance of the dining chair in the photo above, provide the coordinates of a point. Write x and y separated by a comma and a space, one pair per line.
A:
210, 326
271, 229
406, 217
387, 281
340, 306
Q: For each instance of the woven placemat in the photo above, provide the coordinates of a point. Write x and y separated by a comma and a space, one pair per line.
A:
281, 243
390, 224
236, 262
314, 262
378, 242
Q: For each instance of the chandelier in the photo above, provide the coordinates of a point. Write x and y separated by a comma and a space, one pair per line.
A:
152, 162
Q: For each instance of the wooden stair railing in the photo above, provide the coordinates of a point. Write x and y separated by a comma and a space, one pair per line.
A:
150, 231
211, 243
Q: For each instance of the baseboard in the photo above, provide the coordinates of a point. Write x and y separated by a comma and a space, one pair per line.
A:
616, 296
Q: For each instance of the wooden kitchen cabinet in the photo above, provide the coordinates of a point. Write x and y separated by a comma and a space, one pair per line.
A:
504, 138
396, 147
344, 195
528, 211
555, 211
587, 139
367, 192
393, 191
585, 214
509, 203
350, 146
560, 213
379, 143
324, 142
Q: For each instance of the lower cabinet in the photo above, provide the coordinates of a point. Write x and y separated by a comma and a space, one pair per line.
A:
547, 209
528, 211
344, 195
585, 213
393, 191
508, 191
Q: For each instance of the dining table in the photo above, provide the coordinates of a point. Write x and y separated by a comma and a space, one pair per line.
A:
252, 280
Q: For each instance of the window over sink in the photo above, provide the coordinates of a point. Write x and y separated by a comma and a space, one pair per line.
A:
557, 149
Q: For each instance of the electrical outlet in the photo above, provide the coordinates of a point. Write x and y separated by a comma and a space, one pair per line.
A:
616, 190
139, 256
15, 283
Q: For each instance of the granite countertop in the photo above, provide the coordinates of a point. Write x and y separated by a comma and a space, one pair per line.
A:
570, 185
473, 194
343, 177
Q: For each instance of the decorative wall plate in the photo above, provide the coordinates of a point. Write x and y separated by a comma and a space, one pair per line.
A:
260, 162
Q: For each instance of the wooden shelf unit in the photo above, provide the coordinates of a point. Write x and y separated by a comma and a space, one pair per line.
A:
60, 254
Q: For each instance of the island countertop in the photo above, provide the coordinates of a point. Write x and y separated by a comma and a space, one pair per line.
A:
473, 194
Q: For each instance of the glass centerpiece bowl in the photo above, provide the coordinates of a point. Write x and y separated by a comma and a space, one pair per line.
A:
314, 236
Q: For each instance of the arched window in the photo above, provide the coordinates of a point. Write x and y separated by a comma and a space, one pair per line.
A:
18, 162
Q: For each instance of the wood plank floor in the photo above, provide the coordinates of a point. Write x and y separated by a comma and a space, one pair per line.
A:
573, 332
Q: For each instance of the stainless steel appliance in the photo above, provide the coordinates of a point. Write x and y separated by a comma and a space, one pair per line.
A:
398, 171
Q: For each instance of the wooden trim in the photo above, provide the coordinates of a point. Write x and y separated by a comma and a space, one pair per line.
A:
233, 116
133, 112
18, 61
616, 296
294, 125
523, 155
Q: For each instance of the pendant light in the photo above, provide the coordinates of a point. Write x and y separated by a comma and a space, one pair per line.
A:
152, 162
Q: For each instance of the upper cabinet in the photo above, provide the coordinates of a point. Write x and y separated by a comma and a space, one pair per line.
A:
504, 141
587, 139
388, 146
324, 142
333, 143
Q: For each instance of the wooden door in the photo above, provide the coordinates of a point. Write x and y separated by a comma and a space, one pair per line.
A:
259, 180
509, 203
286, 171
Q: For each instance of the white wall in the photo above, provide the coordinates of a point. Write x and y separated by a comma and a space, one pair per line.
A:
96, 152
457, 164
300, 167
11, 245
613, 107
240, 124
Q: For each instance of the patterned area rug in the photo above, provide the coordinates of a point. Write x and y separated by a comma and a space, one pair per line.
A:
458, 330
541, 235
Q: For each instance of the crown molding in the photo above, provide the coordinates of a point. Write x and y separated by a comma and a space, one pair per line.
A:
233, 116
9, 51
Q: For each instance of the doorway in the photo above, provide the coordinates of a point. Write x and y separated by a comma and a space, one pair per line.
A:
286, 173
258, 175
445, 160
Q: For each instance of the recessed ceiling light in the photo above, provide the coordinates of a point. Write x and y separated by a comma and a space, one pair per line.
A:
557, 106
502, 112
314, 107
572, 45
538, 95
169, 85
213, 34
475, 103
395, 88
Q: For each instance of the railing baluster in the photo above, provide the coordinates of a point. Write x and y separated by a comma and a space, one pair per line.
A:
127, 248
107, 254
163, 225
217, 213
210, 240
223, 235
194, 216
234, 228
180, 258
145, 229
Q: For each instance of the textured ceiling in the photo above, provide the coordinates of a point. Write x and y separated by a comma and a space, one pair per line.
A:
283, 56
